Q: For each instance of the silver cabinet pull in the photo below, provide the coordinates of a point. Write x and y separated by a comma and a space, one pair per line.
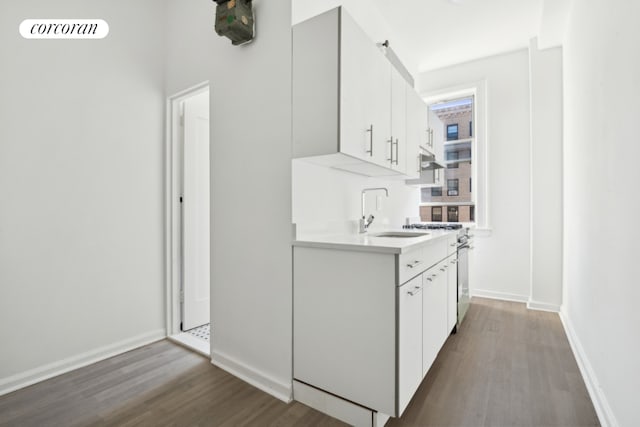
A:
443, 270
430, 279
390, 142
414, 264
414, 291
396, 161
370, 131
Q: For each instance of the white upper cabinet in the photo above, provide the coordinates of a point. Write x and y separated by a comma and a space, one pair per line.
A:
398, 138
365, 96
438, 136
417, 132
349, 102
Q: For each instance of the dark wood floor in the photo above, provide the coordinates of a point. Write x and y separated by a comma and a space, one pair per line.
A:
507, 366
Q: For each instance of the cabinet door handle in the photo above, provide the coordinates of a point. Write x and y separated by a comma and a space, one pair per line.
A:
396, 161
414, 264
442, 269
430, 279
390, 142
370, 131
414, 291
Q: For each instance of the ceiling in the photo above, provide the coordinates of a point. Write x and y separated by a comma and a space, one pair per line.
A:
432, 34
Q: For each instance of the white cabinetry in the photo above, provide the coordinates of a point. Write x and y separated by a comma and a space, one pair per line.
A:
452, 292
367, 326
398, 136
417, 132
437, 135
434, 314
365, 96
349, 102
409, 340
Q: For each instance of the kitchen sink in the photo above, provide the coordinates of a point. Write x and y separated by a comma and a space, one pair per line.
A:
404, 234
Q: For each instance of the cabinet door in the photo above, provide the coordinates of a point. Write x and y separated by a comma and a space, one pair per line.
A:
365, 96
409, 340
438, 135
452, 292
434, 314
417, 132
398, 139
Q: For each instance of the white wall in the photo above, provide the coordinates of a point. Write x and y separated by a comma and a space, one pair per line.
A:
502, 257
546, 177
324, 195
602, 65
81, 171
250, 182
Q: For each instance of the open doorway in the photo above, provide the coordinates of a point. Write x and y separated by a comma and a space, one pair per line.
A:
189, 287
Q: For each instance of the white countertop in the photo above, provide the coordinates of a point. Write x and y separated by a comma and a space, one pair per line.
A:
369, 242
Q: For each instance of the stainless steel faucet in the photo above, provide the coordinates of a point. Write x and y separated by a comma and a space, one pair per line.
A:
365, 223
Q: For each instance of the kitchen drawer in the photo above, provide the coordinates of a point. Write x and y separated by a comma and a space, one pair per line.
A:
412, 263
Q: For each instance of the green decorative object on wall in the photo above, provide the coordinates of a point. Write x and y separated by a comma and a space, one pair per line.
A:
235, 20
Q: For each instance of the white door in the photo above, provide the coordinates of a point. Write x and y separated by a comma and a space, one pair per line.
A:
195, 208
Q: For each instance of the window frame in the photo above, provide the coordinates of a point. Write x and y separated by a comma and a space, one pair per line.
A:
457, 210
480, 144
457, 187
432, 213
457, 125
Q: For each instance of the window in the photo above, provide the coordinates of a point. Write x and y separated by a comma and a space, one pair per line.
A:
452, 132
452, 214
452, 155
457, 190
452, 187
436, 213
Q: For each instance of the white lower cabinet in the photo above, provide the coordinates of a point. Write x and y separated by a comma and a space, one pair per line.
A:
434, 314
409, 340
452, 292
368, 326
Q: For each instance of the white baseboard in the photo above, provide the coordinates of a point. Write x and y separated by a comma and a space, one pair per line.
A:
543, 306
32, 376
260, 380
482, 293
600, 402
